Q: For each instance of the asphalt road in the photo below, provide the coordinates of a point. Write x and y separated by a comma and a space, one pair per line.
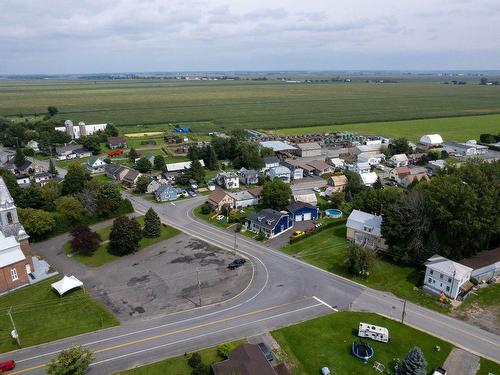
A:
283, 291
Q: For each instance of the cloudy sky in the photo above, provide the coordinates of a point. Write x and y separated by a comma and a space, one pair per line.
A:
77, 36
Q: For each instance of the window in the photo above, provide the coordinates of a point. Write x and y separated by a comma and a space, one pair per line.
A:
441, 276
447, 288
431, 272
449, 279
430, 280
9, 218
13, 274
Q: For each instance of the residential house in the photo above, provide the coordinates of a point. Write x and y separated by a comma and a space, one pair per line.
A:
249, 176
281, 172
368, 179
309, 149
362, 168
320, 167
112, 171
181, 166
16, 260
33, 145
67, 151
397, 174
23, 179
336, 163
371, 159
256, 193
431, 140
338, 182
296, 171
117, 142
166, 192
82, 152
364, 229
444, 276
248, 359
301, 211
243, 199
485, 265
220, 198
306, 196
414, 176
270, 223
5, 156
25, 168
270, 162
131, 177
229, 180
153, 186
42, 178
95, 164
435, 166
399, 160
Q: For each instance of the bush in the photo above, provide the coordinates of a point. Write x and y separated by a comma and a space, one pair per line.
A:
195, 360
239, 227
360, 260
206, 208
223, 350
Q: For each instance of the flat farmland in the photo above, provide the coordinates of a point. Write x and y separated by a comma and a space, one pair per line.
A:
243, 104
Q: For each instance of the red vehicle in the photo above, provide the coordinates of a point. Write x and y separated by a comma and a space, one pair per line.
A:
7, 366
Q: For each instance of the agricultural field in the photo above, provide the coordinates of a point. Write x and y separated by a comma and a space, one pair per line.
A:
451, 128
206, 106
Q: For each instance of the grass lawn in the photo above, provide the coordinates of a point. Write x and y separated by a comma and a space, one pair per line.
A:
41, 315
488, 367
327, 249
452, 128
221, 223
178, 365
66, 163
103, 255
327, 341
486, 297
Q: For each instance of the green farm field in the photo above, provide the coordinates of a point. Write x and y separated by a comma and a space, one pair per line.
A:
207, 106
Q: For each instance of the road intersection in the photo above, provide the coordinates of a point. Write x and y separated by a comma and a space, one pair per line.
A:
283, 291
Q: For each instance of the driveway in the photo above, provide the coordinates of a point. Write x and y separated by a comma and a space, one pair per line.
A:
461, 362
284, 238
166, 277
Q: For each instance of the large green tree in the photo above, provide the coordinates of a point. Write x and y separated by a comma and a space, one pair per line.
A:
70, 208
125, 235
37, 223
142, 184
375, 201
31, 197
143, 165
276, 194
19, 158
399, 146
50, 192
360, 260
159, 162
152, 224
75, 179
72, 361
196, 171
108, 198
132, 155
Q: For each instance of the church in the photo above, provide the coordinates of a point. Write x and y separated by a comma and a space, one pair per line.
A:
16, 263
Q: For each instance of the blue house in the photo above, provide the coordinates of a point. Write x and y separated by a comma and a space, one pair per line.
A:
301, 211
166, 193
269, 222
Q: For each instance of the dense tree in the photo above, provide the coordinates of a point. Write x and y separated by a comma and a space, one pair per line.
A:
399, 146
19, 158
489, 138
92, 143
276, 194
377, 185
143, 165
31, 197
132, 155
52, 111
84, 240
266, 151
72, 361
152, 224
111, 130
159, 163
354, 183
360, 260
211, 161
196, 171
75, 179
141, 185
108, 198
483, 81
125, 235
375, 201
88, 198
50, 192
52, 168
413, 364
11, 182
248, 156
37, 223
70, 208
28, 151
194, 153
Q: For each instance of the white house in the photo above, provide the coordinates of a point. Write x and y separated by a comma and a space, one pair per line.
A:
368, 179
336, 163
95, 164
243, 199
399, 160
364, 229
362, 167
270, 162
431, 140
179, 167
230, 180
154, 185
444, 276
371, 159
281, 172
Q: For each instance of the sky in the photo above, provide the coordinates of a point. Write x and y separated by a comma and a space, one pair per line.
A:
90, 36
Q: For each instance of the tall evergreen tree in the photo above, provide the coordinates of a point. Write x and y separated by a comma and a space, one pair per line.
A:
52, 168
152, 224
20, 158
125, 235
159, 162
211, 161
413, 364
197, 172
132, 155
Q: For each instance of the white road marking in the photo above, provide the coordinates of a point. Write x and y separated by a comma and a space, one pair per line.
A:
326, 304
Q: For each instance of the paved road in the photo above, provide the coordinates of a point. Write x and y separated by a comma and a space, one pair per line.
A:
284, 291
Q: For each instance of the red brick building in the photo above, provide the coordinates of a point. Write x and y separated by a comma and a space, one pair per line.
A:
16, 261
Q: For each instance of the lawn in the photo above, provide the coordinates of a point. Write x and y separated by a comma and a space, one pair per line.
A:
66, 163
207, 217
327, 341
487, 367
486, 297
452, 128
178, 365
41, 315
217, 105
104, 255
327, 249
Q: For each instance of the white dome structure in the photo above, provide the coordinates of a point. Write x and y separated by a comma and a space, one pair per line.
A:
431, 140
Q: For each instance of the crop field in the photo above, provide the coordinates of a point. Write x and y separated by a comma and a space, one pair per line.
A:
206, 106
451, 128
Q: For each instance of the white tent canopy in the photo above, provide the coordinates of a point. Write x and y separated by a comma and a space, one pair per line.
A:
66, 284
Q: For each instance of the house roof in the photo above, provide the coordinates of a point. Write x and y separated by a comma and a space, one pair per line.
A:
368, 178
68, 148
482, 259
308, 146
401, 170
217, 195
164, 188
175, 167
363, 165
115, 141
10, 251
81, 150
246, 359
270, 160
358, 220
92, 160
297, 205
399, 157
280, 169
337, 161
131, 175
338, 180
277, 146
266, 218
447, 267
241, 195
431, 139
249, 172
369, 148
112, 168
318, 164
256, 191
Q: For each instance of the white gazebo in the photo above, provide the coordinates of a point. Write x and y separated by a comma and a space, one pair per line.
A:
66, 284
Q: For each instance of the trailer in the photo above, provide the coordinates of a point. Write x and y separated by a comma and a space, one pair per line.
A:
373, 332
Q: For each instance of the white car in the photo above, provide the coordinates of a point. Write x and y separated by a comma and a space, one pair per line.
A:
219, 218
317, 189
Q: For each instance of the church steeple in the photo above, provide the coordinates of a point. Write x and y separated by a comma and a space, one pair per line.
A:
9, 221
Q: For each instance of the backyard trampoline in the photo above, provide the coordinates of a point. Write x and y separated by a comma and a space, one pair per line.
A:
361, 350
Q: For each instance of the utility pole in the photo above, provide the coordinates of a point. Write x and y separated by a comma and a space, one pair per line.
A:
199, 286
403, 312
15, 334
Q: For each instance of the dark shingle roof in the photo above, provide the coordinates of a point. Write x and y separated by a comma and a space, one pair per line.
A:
246, 359
295, 206
267, 218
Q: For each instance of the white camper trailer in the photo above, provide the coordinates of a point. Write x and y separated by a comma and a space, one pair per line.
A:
373, 332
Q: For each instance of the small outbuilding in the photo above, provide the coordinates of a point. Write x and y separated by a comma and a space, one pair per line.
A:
301, 211
431, 140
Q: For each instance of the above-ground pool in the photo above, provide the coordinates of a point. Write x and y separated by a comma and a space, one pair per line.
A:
333, 212
361, 350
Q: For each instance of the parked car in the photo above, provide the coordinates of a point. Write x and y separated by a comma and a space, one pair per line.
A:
7, 366
297, 233
219, 217
192, 193
267, 353
238, 262
317, 189
439, 371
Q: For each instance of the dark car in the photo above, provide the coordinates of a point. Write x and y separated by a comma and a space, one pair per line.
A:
236, 263
7, 366
265, 350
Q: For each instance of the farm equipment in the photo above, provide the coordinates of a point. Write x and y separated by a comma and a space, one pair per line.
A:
116, 152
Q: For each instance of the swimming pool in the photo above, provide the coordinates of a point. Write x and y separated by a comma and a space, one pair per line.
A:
333, 212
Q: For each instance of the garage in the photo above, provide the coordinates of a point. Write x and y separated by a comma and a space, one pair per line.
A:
298, 217
301, 211
307, 216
